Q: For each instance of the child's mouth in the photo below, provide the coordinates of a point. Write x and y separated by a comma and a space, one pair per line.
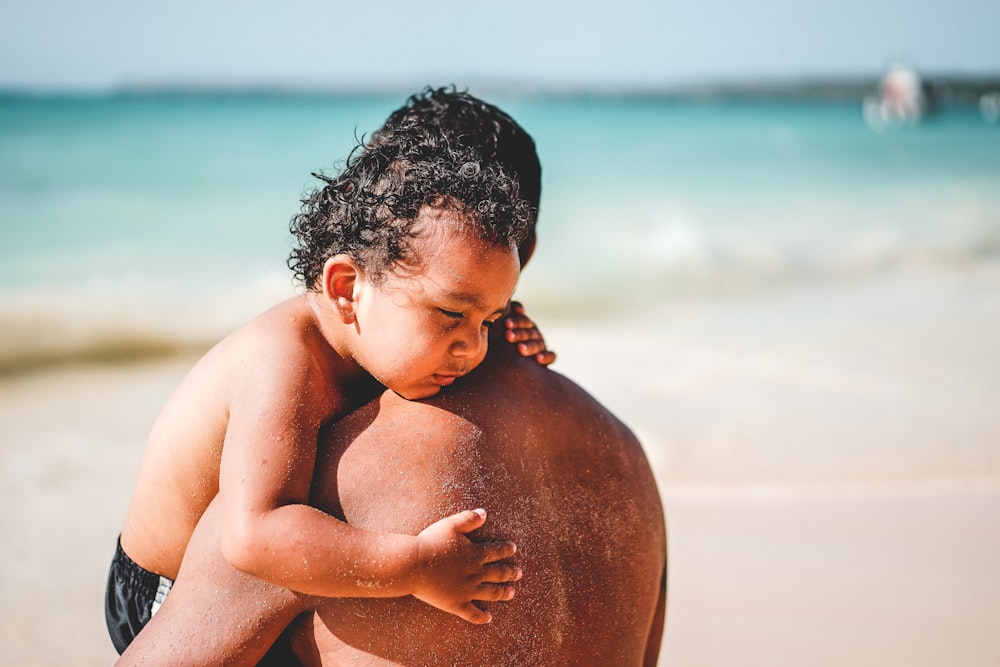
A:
444, 380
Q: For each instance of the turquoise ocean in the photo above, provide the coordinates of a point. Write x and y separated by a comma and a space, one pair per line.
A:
135, 224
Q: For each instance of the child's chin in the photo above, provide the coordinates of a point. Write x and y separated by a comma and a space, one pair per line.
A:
416, 393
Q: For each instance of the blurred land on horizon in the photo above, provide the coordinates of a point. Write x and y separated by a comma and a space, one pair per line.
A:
950, 88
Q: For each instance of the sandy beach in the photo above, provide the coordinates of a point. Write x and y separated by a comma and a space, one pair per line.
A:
829, 456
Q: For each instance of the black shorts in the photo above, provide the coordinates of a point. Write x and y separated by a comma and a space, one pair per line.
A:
133, 596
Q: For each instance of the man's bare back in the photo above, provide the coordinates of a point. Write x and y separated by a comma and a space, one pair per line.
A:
556, 473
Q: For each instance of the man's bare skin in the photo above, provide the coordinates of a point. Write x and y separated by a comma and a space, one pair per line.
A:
556, 473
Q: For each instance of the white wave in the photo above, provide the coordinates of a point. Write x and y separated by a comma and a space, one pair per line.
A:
104, 318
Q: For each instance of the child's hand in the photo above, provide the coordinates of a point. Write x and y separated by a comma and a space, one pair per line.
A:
452, 570
521, 330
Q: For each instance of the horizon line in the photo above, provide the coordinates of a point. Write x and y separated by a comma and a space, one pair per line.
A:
957, 86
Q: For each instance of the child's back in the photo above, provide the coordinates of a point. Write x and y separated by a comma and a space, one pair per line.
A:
179, 473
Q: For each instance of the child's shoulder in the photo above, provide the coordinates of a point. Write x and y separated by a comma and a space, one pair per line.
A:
287, 319
286, 333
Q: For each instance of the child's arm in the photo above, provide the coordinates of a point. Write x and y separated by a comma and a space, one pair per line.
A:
269, 530
520, 329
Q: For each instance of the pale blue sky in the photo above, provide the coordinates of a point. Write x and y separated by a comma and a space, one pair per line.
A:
103, 43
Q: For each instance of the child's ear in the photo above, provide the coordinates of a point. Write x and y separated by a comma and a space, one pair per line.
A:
341, 279
527, 249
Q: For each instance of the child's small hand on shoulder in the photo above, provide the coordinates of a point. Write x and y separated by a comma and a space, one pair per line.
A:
522, 331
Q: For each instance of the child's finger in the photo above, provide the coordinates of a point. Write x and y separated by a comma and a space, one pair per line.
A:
501, 573
517, 307
519, 322
463, 522
471, 613
531, 347
515, 335
495, 593
494, 551
545, 357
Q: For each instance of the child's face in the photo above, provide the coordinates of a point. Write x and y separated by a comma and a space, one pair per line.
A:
427, 325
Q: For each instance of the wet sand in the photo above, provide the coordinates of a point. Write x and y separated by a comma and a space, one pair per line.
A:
829, 457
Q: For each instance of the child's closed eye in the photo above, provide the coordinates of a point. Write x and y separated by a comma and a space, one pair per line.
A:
455, 315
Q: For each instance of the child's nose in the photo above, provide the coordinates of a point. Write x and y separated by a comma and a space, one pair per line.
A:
471, 343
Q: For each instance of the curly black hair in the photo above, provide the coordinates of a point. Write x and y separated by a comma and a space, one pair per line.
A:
367, 211
477, 123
